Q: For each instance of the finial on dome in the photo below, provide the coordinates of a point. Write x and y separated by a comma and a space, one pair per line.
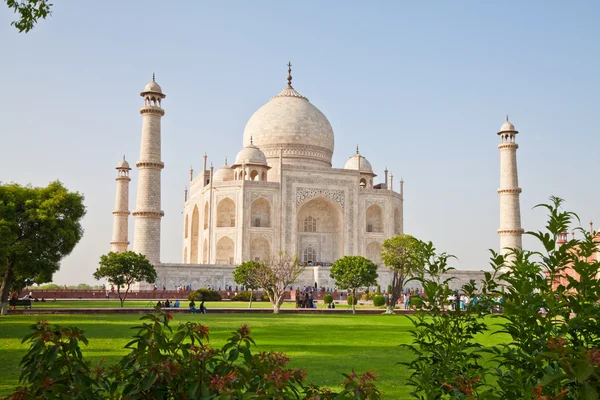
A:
289, 78
251, 140
226, 161
506, 117
153, 77
123, 157
357, 150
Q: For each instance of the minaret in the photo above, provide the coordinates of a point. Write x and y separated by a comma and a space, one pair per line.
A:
148, 213
119, 241
510, 210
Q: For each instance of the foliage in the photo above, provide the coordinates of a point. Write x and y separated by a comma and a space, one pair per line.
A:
550, 308
125, 269
276, 275
367, 296
328, 299
264, 297
165, 363
403, 255
378, 301
353, 272
389, 289
244, 296
378, 289
30, 11
352, 300
204, 294
447, 362
39, 226
245, 275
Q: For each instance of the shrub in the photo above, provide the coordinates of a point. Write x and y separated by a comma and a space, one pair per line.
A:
378, 301
243, 296
264, 297
389, 289
351, 299
328, 299
169, 363
204, 295
378, 289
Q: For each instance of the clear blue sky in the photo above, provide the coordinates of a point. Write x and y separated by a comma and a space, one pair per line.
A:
422, 87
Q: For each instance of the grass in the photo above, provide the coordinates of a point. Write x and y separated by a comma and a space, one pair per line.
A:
326, 345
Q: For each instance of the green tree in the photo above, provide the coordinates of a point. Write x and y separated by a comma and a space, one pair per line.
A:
275, 275
39, 226
403, 255
30, 11
125, 269
353, 272
245, 275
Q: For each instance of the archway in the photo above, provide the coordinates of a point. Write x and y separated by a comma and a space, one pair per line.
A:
185, 255
260, 249
374, 219
205, 252
195, 234
206, 215
319, 226
185, 233
225, 251
226, 213
374, 252
254, 175
260, 213
397, 222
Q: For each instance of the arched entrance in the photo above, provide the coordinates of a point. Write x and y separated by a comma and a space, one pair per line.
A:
320, 231
195, 234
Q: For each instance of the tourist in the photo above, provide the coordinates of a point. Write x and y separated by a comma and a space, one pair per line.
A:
193, 306
176, 305
12, 303
159, 304
167, 303
202, 308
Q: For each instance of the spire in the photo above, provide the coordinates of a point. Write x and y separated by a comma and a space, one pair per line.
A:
506, 117
357, 150
251, 140
226, 161
191, 173
153, 77
289, 78
591, 227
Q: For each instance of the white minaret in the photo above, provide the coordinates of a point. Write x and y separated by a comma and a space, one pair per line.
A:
119, 240
510, 210
147, 209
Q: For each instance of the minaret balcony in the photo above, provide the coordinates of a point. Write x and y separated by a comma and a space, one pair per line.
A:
152, 110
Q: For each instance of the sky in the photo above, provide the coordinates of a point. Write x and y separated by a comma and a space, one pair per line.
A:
422, 88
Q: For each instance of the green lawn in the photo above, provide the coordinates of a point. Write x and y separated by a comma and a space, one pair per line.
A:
326, 345
147, 303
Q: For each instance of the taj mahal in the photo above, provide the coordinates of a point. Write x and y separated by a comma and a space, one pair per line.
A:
281, 193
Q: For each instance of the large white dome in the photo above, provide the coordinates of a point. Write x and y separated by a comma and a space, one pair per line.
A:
291, 123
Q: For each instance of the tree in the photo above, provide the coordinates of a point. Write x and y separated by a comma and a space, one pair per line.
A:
245, 275
125, 269
403, 255
29, 12
275, 275
39, 226
353, 272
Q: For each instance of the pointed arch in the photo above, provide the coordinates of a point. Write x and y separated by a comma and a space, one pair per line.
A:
260, 213
186, 227
205, 252
195, 235
185, 255
206, 215
374, 219
374, 252
397, 222
260, 249
226, 213
225, 251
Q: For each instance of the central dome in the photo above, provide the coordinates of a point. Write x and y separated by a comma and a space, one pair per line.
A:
291, 123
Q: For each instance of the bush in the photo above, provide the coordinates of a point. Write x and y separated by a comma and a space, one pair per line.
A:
389, 289
264, 297
350, 299
378, 289
169, 363
378, 301
243, 296
204, 295
328, 299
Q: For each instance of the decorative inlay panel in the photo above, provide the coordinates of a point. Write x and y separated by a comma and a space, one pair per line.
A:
303, 194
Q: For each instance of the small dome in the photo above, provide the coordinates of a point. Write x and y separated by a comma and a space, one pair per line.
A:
225, 173
123, 164
250, 154
153, 87
507, 126
365, 165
